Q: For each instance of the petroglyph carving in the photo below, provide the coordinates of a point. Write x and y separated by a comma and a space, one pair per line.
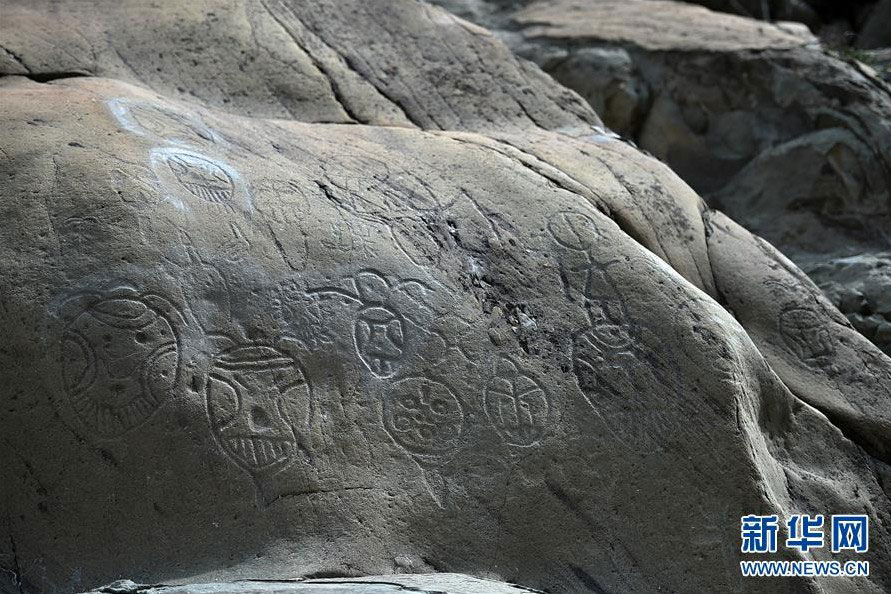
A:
302, 317
574, 231
581, 275
516, 405
120, 360
257, 399
164, 124
806, 334
354, 240
423, 416
380, 331
611, 365
383, 190
199, 175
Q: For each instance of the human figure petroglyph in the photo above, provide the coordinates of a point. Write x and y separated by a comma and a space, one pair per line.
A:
120, 360
613, 366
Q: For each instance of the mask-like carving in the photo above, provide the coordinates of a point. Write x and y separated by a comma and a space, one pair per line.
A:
257, 398
516, 405
202, 178
120, 361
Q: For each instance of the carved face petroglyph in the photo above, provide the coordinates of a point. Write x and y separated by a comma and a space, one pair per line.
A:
120, 362
257, 397
201, 177
381, 327
516, 405
380, 336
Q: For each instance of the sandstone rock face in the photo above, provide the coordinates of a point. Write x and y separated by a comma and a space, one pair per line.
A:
487, 337
792, 142
328, 61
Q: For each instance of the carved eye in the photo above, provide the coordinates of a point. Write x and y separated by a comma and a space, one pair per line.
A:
222, 401
372, 287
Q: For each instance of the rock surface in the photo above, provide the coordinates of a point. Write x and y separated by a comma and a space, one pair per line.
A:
846, 20
877, 28
484, 337
441, 583
787, 139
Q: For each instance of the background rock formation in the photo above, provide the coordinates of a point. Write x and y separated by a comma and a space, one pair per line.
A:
326, 324
785, 137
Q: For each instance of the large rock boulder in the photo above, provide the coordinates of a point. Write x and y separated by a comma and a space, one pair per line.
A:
790, 140
239, 346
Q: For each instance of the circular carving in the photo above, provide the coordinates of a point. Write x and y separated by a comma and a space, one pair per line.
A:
573, 230
120, 360
423, 416
201, 177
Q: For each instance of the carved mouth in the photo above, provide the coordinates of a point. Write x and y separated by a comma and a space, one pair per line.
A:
209, 193
259, 451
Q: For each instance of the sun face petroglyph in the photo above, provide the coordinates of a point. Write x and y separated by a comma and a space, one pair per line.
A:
120, 361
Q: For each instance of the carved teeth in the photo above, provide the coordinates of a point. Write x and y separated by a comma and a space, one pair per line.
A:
259, 451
